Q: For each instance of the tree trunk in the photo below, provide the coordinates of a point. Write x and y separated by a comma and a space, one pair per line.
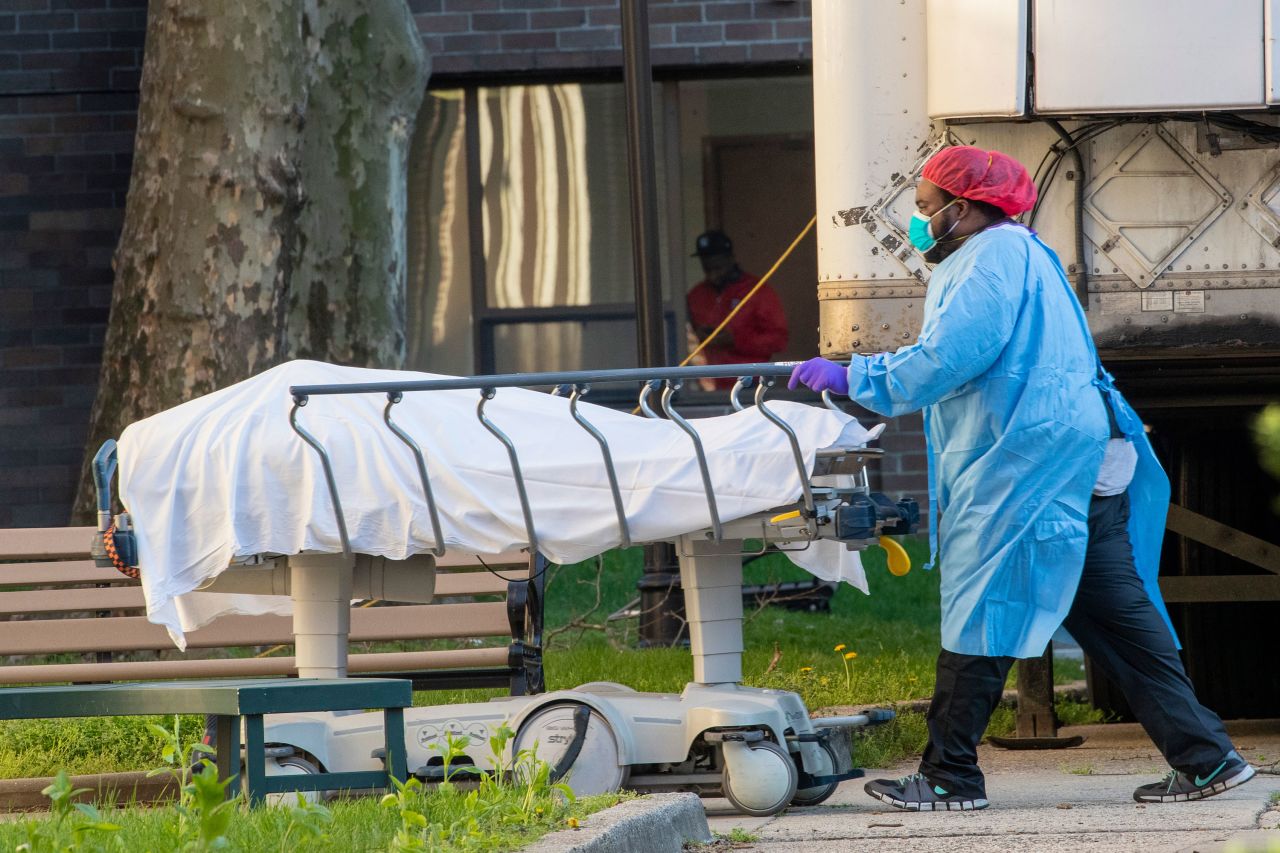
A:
265, 215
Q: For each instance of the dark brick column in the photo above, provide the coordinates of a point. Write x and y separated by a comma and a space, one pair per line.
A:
68, 98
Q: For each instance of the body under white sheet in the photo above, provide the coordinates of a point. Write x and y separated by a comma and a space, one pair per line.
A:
225, 476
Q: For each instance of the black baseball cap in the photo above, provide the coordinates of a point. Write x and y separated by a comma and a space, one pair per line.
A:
712, 243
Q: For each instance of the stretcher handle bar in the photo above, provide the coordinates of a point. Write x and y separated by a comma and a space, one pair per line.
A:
578, 392
801, 468
328, 474
835, 452
673, 385
104, 466
651, 385
487, 394
829, 403
392, 399
578, 377
743, 382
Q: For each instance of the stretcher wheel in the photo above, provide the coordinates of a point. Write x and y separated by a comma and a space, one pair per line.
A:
826, 766
759, 779
291, 765
550, 732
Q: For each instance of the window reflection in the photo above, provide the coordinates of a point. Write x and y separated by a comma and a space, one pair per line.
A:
556, 202
438, 283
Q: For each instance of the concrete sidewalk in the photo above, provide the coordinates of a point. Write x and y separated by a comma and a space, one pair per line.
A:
1053, 800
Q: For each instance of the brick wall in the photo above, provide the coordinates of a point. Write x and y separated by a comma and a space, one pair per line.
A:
904, 470
467, 36
68, 97
69, 73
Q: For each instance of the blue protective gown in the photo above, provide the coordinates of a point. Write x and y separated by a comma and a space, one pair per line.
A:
1008, 378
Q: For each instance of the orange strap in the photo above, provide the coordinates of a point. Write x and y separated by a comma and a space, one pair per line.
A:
109, 545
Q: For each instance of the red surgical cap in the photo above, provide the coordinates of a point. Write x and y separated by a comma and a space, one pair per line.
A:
972, 173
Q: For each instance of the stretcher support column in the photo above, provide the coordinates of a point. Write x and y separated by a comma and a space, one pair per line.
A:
321, 588
711, 575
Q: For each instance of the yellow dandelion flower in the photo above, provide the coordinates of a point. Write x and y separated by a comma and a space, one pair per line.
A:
806, 669
850, 655
840, 647
573, 822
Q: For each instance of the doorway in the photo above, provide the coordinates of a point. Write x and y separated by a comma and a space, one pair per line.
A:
759, 190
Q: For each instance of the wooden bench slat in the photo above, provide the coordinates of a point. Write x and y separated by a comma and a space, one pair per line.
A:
85, 572
134, 633
45, 543
246, 667
470, 583
129, 596
453, 558
71, 601
79, 571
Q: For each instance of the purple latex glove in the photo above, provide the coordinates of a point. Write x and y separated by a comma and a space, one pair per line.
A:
819, 374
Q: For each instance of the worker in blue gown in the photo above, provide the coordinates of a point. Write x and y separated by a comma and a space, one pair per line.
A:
1048, 504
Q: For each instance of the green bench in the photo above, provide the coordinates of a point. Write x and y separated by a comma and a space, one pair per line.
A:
228, 701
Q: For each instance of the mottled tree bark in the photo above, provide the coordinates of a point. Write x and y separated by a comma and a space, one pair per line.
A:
265, 215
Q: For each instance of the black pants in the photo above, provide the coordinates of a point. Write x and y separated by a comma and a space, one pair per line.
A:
1116, 624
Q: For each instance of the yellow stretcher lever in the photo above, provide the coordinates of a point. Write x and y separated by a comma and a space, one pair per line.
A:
786, 516
899, 560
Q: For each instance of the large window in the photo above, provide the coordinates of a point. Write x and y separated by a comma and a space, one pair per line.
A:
520, 254
552, 286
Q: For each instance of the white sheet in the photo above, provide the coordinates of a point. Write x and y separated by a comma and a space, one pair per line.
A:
225, 476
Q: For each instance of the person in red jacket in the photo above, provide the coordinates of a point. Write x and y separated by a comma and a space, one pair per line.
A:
757, 332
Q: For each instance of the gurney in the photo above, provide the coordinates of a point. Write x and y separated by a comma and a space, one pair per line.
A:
310, 477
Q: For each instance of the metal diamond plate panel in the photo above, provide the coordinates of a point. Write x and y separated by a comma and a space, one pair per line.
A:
1150, 203
1261, 207
889, 217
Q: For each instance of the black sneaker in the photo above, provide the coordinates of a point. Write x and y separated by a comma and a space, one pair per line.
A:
1178, 787
915, 793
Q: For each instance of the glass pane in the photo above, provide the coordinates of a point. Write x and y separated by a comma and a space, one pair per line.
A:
568, 345
438, 286
556, 199
746, 166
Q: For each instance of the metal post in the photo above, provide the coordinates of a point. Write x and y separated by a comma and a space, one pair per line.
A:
1035, 716
1037, 724
638, 82
661, 598
661, 601
482, 332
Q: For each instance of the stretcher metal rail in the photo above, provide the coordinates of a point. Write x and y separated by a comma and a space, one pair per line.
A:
576, 384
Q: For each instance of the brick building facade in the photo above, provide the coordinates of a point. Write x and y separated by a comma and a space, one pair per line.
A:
69, 74
69, 79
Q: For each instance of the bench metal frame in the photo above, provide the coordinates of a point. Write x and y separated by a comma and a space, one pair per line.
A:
228, 702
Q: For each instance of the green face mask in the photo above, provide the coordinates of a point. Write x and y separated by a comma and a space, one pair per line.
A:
920, 233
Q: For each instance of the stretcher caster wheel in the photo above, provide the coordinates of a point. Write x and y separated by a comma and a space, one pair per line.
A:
759, 778
291, 765
826, 766
578, 743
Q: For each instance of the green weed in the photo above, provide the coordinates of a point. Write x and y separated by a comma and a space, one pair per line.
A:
59, 833
1085, 769
204, 812
738, 835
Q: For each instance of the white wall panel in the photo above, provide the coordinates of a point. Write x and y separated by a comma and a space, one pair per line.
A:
1147, 55
977, 57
